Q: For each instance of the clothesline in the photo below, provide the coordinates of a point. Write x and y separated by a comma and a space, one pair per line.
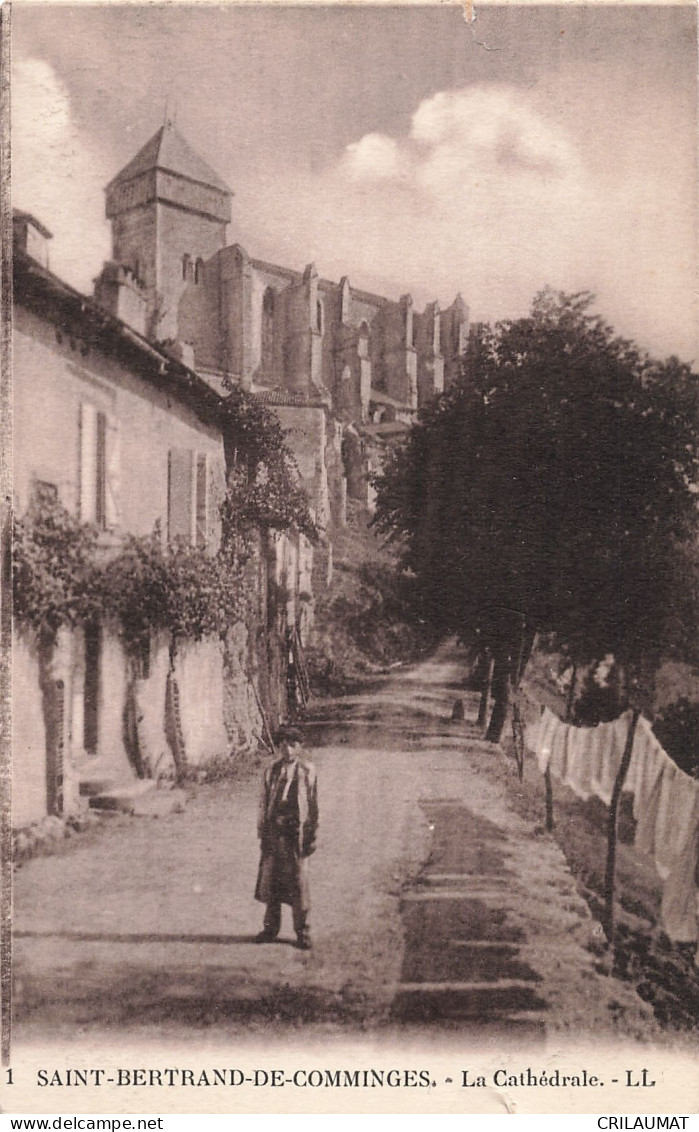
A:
665, 800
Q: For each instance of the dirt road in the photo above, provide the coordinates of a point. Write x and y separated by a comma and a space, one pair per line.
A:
434, 905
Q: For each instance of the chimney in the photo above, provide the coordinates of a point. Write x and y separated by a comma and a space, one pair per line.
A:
30, 237
119, 291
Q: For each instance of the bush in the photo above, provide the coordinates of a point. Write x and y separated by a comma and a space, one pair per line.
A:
60, 579
677, 728
601, 696
53, 568
182, 590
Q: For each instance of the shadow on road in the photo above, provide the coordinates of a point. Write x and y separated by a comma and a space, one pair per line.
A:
461, 959
137, 937
133, 997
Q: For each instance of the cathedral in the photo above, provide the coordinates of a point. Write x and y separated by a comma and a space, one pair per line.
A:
346, 370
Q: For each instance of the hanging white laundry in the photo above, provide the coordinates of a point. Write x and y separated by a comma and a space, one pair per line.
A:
677, 852
558, 759
581, 744
612, 741
532, 736
547, 727
665, 801
647, 763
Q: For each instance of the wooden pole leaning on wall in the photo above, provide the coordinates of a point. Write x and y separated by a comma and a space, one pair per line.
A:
485, 694
612, 835
261, 710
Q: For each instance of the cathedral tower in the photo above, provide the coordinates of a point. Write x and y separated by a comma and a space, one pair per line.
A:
169, 212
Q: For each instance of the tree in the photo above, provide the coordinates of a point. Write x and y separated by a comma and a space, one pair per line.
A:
552, 489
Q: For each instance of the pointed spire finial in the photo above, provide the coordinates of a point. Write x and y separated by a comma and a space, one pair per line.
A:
170, 114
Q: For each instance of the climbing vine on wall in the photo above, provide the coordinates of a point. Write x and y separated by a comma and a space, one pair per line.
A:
182, 590
61, 577
53, 568
266, 498
263, 479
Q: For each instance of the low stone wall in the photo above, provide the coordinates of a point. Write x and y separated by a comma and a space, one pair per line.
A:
199, 673
29, 736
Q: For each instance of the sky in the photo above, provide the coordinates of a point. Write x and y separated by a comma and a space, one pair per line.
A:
403, 146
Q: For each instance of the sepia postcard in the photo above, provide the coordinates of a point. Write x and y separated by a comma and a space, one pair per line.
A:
330, 781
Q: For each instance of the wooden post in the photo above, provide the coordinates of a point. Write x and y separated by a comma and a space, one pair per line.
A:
571, 694
517, 674
613, 814
549, 799
548, 786
485, 694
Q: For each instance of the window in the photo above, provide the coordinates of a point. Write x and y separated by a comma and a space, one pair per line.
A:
267, 331
188, 497
409, 336
199, 270
319, 316
45, 492
345, 301
202, 500
99, 468
186, 266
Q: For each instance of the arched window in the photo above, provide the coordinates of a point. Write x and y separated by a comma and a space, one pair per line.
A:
319, 316
186, 266
267, 339
199, 270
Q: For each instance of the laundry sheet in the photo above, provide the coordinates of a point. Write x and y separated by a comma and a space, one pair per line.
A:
587, 759
665, 800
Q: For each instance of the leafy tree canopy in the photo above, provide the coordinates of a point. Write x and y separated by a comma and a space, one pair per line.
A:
553, 486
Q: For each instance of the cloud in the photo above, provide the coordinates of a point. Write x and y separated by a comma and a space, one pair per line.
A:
490, 125
374, 157
481, 196
57, 173
482, 131
491, 192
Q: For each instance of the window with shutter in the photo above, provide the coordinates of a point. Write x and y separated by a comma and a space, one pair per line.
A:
99, 467
112, 476
181, 510
93, 427
267, 341
101, 471
202, 532
88, 462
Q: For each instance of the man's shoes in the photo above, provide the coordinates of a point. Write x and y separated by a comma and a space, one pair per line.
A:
303, 942
266, 937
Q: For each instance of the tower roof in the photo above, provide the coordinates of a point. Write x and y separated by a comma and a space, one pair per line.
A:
168, 150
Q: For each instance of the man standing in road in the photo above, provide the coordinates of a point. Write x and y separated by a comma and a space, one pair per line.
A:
287, 825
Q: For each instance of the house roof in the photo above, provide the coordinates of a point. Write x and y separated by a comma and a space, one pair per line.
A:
382, 398
38, 289
168, 150
28, 217
292, 397
386, 428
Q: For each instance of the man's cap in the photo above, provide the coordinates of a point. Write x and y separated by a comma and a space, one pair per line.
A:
289, 734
